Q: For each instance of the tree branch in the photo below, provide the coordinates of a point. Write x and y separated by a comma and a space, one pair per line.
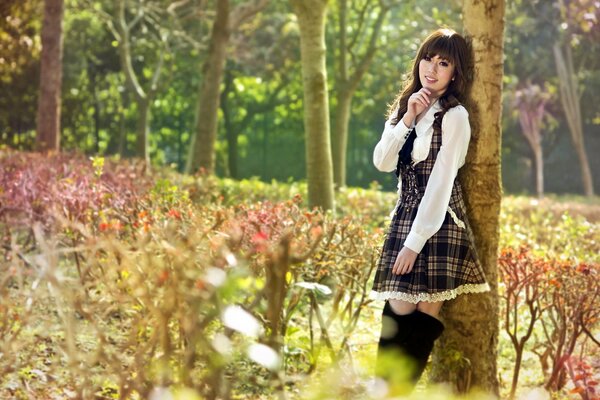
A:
125, 52
367, 58
245, 11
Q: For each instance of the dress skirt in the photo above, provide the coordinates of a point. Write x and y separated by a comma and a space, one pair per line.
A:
448, 264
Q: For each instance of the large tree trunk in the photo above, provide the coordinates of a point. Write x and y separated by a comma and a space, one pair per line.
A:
48, 113
569, 98
311, 20
202, 147
472, 320
202, 153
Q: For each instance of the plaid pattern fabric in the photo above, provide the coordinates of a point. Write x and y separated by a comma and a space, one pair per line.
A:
448, 265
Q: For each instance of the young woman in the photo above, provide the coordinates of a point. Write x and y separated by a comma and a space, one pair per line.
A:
428, 255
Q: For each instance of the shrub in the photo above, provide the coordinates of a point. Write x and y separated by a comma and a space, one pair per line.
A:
559, 298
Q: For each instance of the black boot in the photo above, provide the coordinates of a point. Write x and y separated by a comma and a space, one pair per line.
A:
392, 349
420, 342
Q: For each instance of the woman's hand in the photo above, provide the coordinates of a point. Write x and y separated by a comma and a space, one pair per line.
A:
417, 103
405, 261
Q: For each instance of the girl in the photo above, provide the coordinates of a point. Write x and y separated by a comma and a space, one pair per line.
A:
428, 255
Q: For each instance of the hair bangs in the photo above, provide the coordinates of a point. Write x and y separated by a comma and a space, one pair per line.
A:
442, 46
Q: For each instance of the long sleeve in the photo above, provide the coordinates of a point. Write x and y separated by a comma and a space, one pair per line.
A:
456, 134
385, 155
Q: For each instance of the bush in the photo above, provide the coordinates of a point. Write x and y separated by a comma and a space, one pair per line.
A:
128, 296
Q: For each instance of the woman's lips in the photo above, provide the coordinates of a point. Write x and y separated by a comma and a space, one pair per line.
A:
430, 80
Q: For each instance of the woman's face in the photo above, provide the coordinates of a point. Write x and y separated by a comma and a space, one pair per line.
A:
435, 74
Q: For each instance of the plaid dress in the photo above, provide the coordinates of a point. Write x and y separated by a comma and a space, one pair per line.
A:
448, 264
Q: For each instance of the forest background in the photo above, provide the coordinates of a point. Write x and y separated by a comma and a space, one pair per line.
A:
260, 132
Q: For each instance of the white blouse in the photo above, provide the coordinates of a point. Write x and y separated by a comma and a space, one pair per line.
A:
451, 156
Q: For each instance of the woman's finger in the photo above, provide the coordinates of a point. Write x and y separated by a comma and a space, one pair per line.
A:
399, 265
395, 267
405, 268
424, 97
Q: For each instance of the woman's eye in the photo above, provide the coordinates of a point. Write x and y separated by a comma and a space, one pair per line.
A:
427, 58
444, 63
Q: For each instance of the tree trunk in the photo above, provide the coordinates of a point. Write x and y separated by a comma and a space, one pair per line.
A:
539, 171
569, 98
472, 320
48, 113
122, 145
93, 85
231, 133
202, 148
142, 97
346, 83
340, 135
142, 145
311, 20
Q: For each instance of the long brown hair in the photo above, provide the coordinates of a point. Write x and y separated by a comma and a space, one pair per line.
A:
450, 45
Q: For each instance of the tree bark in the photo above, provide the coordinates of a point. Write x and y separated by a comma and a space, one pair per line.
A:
202, 147
142, 144
48, 113
472, 320
569, 98
231, 132
340, 134
311, 20
539, 171
202, 152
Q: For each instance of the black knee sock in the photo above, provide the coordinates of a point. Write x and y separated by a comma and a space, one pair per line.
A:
420, 342
396, 329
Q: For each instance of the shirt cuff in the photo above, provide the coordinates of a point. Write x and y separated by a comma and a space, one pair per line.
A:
400, 131
415, 242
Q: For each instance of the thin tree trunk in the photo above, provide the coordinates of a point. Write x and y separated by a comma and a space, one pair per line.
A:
569, 98
143, 129
231, 132
142, 97
311, 20
96, 107
340, 135
122, 145
539, 171
202, 153
346, 84
48, 112
472, 320
517, 369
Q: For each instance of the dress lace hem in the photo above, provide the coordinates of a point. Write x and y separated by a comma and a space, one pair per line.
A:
431, 297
